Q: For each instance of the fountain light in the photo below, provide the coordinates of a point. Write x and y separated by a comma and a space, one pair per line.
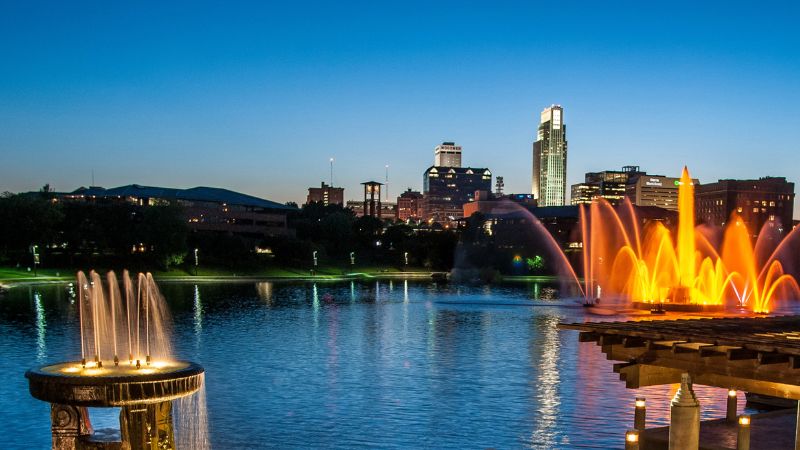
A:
654, 265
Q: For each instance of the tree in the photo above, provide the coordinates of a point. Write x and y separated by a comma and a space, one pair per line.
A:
165, 231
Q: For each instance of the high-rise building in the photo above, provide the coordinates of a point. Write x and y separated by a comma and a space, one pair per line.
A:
447, 154
609, 184
328, 195
408, 205
758, 202
550, 158
446, 189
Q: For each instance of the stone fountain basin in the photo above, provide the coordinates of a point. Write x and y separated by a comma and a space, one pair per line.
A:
113, 386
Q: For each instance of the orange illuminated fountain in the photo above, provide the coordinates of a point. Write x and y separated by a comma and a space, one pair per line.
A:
126, 362
657, 269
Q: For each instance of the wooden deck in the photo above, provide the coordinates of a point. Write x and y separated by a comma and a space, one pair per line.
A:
760, 354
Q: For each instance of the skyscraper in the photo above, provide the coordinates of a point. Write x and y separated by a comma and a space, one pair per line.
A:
550, 158
447, 154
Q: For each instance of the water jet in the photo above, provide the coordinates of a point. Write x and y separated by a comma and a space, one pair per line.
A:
144, 395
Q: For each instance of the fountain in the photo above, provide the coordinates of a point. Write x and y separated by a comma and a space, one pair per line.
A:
126, 362
654, 270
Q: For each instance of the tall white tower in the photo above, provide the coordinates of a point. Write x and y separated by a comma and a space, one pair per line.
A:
549, 184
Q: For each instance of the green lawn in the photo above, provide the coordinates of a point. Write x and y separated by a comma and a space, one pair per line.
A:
10, 274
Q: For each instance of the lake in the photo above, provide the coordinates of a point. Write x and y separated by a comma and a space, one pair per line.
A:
388, 364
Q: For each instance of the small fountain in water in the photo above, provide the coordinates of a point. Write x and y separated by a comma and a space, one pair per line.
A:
125, 362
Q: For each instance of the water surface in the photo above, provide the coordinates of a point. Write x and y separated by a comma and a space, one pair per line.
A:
397, 364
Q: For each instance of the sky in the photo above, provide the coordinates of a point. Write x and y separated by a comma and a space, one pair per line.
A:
257, 97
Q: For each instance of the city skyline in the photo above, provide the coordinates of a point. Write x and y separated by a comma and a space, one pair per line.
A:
120, 94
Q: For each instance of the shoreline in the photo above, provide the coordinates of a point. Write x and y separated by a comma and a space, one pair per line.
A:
7, 283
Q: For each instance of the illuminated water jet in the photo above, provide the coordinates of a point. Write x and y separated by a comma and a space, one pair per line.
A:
683, 271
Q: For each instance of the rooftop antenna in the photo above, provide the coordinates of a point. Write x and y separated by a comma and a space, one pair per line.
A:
92, 178
387, 183
331, 172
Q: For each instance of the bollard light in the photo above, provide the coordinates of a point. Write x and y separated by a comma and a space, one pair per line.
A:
639, 414
632, 440
743, 435
730, 415
744, 420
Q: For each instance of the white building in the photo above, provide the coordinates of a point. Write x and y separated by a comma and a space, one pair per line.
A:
447, 154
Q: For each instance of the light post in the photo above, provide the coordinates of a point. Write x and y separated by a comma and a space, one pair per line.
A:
639, 414
314, 270
730, 415
196, 261
35, 254
405, 257
352, 258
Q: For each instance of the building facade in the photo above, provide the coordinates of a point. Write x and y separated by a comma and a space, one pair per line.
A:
609, 184
486, 203
326, 194
768, 200
408, 204
654, 190
447, 189
550, 158
447, 154
204, 208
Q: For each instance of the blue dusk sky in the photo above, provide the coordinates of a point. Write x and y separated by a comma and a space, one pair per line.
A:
256, 97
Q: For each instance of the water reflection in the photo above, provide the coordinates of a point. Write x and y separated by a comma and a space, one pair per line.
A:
315, 305
545, 357
41, 327
264, 289
197, 316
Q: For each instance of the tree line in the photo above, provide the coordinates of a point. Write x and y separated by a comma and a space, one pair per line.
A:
110, 234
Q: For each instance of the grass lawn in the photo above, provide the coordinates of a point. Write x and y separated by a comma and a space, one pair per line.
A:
11, 274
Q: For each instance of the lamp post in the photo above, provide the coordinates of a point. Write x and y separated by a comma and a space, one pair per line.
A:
405, 256
352, 258
314, 270
196, 260
35, 254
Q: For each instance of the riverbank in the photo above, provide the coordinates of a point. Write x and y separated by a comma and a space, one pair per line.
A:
13, 276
